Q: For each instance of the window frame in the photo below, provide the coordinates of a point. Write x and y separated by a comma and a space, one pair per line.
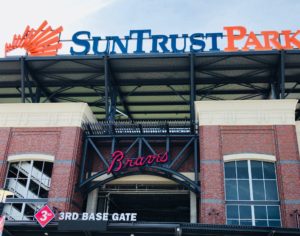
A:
40, 179
252, 203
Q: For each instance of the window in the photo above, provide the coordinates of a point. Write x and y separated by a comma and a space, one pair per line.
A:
27, 180
251, 193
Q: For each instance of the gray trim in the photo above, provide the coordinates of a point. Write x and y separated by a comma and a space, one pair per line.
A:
212, 200
253, 202
63, 161
38, 200
291, 202
23, 200
289, 162
210, 162
59, 199
2, 161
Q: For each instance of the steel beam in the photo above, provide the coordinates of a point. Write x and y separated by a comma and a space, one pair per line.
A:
106, 89
22, 80
282, 74
192, 88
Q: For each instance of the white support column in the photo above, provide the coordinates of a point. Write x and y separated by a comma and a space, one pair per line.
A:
193, 207
91, 206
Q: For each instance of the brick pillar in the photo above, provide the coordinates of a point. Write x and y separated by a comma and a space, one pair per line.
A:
65, 173
288, 173
4, 140
212, 205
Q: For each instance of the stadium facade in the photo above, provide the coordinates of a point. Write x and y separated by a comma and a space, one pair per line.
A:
186, 143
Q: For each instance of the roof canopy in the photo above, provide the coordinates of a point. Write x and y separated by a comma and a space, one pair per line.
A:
151, 86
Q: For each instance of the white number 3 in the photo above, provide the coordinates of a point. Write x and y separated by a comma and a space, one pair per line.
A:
44, 214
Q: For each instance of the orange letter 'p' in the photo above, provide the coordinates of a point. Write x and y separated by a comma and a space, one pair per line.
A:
231, 37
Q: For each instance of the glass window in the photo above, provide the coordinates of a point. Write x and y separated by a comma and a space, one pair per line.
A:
245, 212
273, 212
258, 190
261, 223
251, 193
232, 212
269, 170
260, 212
271, 190
256, 170
28, 180
242, 169
230, 172
244, 190
231, 189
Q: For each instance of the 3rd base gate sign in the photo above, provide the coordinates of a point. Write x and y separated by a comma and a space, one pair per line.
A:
69, 220
44, 216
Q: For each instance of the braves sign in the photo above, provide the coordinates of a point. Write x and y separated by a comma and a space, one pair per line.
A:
120, 162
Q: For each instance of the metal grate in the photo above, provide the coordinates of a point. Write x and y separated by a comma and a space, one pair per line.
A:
140, 127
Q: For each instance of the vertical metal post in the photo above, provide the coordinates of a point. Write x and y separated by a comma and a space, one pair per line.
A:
192, 88
22, 80
282, 74
113, 103
37, 95
83, 160
196, 162
273, 91
113, 144
140, 147
106, 89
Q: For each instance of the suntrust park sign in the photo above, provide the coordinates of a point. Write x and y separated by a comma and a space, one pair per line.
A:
45, 41
237, 37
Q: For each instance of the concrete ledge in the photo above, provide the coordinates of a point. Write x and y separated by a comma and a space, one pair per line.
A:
45, 114
247, 112
29, 157
249, 156
143, 179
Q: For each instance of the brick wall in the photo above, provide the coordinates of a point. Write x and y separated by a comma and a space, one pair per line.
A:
63, 143
216, 141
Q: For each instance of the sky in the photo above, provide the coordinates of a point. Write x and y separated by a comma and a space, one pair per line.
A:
117, 17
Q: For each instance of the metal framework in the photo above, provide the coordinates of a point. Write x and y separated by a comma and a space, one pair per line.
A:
144, 228
151, 86
139, 139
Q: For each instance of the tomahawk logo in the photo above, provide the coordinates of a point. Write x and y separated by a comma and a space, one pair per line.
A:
43, 41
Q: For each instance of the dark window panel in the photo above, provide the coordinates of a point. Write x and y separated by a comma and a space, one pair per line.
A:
33, 187
271, 190
230, 172
242, 169
43, 193
245, 212
258, 190
48, 168
245, 222
260, 212
273, 212
29, 211
274, 223
231, 190
269, 170
262, 223
256, 170
232, 212
38, 165
18, 206
243, 190
232, 222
